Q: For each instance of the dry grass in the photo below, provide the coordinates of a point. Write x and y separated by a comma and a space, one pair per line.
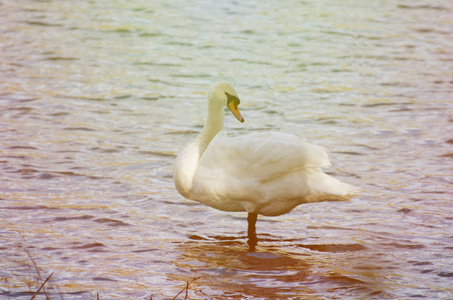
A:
186, 289
44, 291
42, 285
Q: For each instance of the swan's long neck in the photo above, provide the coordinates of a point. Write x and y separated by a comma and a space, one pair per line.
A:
187, 162
213, 125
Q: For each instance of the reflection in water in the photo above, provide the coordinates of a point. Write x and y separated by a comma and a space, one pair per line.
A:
223, 264
96, 100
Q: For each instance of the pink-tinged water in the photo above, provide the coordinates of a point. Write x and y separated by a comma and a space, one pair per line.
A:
97, 98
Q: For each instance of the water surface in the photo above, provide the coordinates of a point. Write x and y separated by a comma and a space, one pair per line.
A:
98, 97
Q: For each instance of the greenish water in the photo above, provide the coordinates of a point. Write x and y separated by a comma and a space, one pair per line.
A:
98, 97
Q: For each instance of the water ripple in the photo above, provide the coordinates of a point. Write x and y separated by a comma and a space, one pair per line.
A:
98, 98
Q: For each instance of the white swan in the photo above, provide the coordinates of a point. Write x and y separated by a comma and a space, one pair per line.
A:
261, 173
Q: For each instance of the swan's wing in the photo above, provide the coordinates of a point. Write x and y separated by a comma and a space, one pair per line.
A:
260, 156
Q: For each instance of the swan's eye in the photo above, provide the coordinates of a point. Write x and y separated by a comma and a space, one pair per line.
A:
233, 99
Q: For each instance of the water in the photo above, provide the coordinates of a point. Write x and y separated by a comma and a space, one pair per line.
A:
98, 97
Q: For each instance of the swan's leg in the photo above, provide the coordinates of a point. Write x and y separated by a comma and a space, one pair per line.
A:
251, 219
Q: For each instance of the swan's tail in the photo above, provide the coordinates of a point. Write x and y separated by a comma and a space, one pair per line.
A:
327, 188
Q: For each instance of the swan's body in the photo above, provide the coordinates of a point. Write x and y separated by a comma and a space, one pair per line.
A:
260, 173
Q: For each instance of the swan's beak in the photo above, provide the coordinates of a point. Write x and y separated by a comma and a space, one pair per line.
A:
232, 104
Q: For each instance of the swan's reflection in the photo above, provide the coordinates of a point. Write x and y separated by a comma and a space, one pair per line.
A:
228, 270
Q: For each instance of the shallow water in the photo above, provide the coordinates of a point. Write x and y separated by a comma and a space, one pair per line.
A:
98, 97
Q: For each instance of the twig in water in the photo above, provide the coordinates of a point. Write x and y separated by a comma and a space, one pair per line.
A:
35, 265
37, 292
187, 287
180, 292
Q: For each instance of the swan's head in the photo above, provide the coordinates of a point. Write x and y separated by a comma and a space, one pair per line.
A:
222, 93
